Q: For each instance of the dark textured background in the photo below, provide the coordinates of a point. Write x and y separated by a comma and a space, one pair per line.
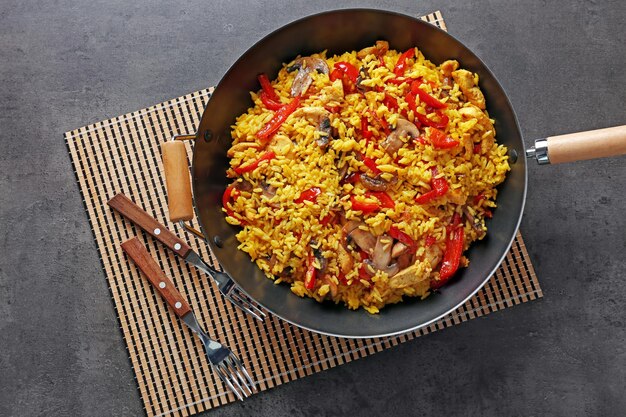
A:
64, 64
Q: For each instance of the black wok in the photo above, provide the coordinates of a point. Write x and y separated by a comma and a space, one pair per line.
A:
340, 31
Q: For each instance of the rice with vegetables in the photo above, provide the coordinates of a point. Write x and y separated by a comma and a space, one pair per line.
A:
362, 178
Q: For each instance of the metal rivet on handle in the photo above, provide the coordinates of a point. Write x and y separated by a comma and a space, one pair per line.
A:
218, 241
177, 246
513, 156
208, 135
157, 231
178, 304
161, 285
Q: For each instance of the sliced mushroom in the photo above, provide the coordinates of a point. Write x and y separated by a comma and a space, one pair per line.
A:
363, 239
382, 252
317, 252
475, 224
399, 249
244, 185
405, 129
391, 270
305, 67
321, 117
269, 191
325, 130
349, 226
363, 75
374, 184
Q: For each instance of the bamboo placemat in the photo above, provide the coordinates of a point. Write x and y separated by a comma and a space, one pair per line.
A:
174, 379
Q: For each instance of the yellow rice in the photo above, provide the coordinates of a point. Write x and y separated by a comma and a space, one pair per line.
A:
278, 232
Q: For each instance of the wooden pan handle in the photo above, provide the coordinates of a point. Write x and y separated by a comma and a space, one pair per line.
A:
177, 182
149, 224
139, 254
587, 145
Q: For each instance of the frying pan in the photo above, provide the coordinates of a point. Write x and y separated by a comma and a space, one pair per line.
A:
337, 32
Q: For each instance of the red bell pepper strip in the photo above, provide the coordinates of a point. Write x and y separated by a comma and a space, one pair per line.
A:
478, 198
382, 122
410, 100
398, 80
440, 140
488, 213
426, 197
401, 236
267, 156
477, 148
382, 197
365, 207
270, 103
425, 97
311, 273
440, 124
400, 67
266, 85
363, 255
365, 128
440, 185
231, 193
381, 61
326, 220
309, 195
430, 240
390, 102
369, 162
347, 73
279, 118
451, 256
439, 188
363, 274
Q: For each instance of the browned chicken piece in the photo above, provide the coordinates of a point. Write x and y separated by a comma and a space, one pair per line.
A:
465, 80
433, 254
411, 277
346, 261
456, 196
487, 132
241, 146
380, 48
449, 67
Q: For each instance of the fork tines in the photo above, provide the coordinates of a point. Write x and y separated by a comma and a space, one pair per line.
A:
242, 302
232, 372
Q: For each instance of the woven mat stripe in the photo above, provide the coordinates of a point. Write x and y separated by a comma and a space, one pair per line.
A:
172, 374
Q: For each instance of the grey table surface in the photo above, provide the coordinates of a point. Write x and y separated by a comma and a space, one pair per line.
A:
67, 63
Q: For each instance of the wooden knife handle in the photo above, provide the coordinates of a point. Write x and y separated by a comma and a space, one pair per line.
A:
587, 145
177, 182
139, 254
137, 215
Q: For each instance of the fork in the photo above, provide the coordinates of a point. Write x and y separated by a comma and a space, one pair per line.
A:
127, 208
223, 361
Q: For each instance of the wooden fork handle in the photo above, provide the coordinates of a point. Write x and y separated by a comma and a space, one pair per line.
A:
137, 215
139, 254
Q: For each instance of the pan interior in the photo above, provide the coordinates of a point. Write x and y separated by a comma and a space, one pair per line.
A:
337, 32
